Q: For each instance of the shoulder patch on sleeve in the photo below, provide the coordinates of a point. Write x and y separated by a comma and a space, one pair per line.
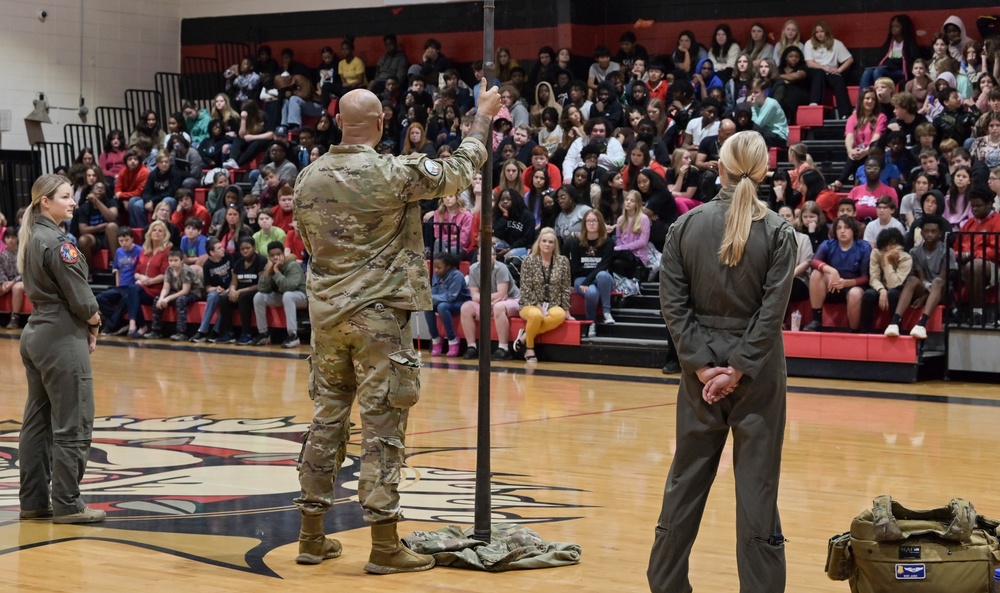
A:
432, 168
69, 253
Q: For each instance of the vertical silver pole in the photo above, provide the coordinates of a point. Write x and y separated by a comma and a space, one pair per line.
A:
483, 471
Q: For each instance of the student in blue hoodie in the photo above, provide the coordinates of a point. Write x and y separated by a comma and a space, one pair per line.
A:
448, 292
705, 78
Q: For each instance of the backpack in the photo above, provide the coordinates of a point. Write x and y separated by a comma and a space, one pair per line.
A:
945, 550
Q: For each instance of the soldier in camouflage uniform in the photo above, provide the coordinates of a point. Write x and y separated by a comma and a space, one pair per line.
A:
359, 217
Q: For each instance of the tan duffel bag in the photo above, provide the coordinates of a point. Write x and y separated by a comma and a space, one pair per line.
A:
891, 548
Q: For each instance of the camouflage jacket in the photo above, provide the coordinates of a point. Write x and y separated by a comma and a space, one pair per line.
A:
511, 547
358, 215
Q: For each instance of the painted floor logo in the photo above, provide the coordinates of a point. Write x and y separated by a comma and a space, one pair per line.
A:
174, 484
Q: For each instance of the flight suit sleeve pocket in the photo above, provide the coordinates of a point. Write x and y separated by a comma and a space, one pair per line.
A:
404, 379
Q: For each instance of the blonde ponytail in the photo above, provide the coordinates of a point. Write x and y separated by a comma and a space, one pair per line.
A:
44, 187
801, 152
744, 159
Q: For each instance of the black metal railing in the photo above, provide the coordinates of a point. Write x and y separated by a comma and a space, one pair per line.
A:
142, 100
169, 85
201, 78
116, 118
18, 170
975, 289
51, 155
446, 236
80, 136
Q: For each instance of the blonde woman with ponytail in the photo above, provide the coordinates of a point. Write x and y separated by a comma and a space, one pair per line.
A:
55, 346
725, 278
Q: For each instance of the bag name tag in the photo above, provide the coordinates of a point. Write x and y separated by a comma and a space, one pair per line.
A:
911, 572
909, 552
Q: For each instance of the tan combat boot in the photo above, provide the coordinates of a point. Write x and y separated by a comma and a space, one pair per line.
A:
314, 546
390, 556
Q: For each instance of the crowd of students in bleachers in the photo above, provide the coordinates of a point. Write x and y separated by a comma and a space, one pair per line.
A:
603, 162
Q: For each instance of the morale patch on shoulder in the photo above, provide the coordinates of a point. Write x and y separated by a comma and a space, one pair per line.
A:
69, 253
432, 168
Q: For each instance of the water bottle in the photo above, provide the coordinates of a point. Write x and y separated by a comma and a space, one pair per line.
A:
995, 585
797, 322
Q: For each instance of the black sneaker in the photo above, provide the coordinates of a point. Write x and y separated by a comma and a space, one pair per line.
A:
813, 326
672, 367
263, 339
152, 335
502, 354
179, 337
198, 337
470, 353
291, 341
225, 338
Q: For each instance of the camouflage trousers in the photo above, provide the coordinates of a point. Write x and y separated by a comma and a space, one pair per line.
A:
368, 357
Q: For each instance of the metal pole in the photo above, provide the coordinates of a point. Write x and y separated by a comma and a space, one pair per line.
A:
483, 471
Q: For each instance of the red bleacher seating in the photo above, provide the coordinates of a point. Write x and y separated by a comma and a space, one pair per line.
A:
275, 315
6, 304
853, 91
809, 116
794, 135
200, 195
99, 260
567, 334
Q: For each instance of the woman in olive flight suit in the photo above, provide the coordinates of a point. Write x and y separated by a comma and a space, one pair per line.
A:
55, 347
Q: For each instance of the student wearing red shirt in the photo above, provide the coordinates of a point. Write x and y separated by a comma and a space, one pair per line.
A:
658, 84
285, 210
188, 208
149, 274
540, 161
978, 255
132, 179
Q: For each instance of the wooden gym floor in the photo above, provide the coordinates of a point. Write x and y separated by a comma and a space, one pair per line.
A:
194, 452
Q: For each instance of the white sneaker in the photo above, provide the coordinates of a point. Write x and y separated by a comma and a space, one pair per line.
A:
608, 319
892, 331
231, 164
592, 331
919, 332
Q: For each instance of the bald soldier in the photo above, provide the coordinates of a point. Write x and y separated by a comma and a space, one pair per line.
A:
359, 217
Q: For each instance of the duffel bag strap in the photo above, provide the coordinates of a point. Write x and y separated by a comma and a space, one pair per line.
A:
956, 521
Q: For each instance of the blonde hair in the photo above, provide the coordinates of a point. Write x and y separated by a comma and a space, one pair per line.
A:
227, 112
541, 233
45, 186
744, 158
828, 41
633, 220
801, 152
147, 244
783, 43
442, 209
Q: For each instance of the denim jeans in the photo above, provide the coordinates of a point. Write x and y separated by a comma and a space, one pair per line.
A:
445, 310
600, 291
295, 107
